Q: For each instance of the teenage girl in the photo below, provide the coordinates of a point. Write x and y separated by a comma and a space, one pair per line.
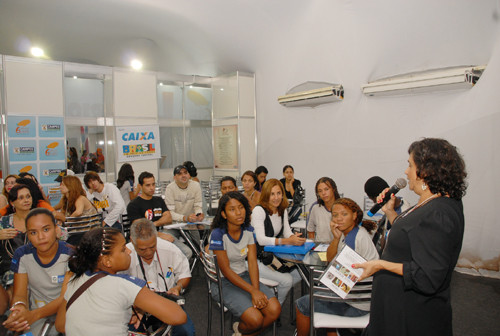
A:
251, 188
104, 308
40, 269
232, 241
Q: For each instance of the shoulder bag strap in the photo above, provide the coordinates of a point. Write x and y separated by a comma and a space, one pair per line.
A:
83, 288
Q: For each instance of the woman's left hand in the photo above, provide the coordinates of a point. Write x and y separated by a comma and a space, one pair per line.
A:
259, 299
369, 268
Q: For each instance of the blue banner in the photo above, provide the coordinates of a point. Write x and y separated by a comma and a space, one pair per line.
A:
22, 150
29, 167
21, 126
50, 127
52, 150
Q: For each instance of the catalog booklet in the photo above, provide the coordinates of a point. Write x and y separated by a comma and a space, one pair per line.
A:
339, 276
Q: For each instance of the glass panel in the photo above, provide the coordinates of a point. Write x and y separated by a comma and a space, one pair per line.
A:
169, 102
83, 97
86, 140
198, 103
199, 146
172, 146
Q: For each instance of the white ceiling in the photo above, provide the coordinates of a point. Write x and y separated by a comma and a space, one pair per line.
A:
186, 37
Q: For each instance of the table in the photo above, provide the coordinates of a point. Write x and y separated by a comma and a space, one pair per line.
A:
304, 261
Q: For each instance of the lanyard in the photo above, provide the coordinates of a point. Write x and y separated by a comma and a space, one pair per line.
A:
144, 272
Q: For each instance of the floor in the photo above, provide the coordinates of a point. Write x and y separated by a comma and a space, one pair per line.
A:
475, 300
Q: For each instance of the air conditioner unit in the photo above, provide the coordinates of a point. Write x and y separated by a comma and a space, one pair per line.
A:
312, 94
452, 78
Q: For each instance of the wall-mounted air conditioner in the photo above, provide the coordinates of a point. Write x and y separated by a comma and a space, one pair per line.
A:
312, 94
452, 78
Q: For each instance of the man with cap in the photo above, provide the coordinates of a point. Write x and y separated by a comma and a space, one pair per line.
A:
373, 187
183, 197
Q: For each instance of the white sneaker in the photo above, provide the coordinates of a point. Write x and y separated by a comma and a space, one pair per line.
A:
235, 329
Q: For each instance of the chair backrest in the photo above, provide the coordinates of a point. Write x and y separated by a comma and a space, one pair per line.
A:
82, 224
361, 292
209, 266
126, 226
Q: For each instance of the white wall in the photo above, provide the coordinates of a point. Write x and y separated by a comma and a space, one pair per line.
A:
353, 42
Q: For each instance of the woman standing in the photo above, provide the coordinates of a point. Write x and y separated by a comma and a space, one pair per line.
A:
8, 183
318, 222
411, 287
125, 183
289, 182
232, 241
270, 221
250, 188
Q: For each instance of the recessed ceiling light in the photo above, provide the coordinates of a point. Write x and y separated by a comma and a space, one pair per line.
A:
222, 89
161, 83
136, 64
75, 77
37, 52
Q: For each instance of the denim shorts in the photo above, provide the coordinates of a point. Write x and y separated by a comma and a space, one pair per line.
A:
328, 307
236, 299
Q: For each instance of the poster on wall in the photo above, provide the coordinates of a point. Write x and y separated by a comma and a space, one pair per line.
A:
17, 168
21, 126
50, 127
51, 150
136, 143
226, 147
22, 150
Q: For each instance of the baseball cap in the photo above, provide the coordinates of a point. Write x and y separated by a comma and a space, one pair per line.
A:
64, 172
178, 169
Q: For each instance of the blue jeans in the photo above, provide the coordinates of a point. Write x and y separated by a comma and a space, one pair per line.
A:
186, 329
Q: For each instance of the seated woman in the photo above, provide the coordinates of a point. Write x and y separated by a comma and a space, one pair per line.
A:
8, 183
261, 173
232, 241
104, 309
346, 229
289, 182
270, 221
41, 275
320, 215
12, 229
74, 203
250, 188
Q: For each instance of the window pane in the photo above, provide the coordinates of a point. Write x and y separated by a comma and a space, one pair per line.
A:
198, 103
172, 146
169, 102
83, 97
199, 146
86, 140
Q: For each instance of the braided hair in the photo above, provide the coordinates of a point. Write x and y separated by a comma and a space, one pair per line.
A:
94, 244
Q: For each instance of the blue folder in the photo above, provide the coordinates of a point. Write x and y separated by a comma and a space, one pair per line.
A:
290, 248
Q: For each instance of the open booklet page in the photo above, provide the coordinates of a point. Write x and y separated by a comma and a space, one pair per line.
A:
339, 276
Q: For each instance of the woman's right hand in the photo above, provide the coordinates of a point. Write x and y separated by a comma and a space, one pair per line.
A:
389, 206
335, 231
259, 299
6, 234
296, 240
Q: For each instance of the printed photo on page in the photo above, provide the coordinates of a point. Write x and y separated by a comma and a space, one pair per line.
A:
339, 276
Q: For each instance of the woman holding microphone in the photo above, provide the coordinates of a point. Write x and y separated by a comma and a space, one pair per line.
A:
411, 286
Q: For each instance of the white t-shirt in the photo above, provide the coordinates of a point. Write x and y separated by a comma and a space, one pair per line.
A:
319, 223
104, 309
258, 217
110, 202
172, 264
124, 191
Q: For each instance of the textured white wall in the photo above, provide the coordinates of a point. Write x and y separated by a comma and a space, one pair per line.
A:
353, 42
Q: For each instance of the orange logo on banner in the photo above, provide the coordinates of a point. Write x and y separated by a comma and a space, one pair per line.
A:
22, 124
51, 148
25, 169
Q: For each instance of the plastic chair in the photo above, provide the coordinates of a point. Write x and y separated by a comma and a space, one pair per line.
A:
77, 226
126, 226
360, 293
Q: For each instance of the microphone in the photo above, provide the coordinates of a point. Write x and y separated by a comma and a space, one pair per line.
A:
398, 185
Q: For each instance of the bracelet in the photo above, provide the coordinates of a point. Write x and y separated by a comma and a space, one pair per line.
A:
18, 303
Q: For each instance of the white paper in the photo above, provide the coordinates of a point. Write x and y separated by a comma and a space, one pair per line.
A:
321, 248
339, 275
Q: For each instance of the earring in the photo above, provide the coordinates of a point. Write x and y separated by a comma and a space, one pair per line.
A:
424, 186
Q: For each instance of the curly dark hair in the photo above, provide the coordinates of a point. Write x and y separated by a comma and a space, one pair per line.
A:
355, 208
440, 165
221, 222
94, 243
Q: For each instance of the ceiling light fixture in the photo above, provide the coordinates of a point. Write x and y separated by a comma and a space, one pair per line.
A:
136, 64
37, 52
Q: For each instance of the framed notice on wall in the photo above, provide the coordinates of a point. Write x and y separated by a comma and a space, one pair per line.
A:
226, 147
135, 143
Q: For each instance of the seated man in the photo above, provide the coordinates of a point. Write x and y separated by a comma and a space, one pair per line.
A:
40, 275
160, 264
227, 184
183, 198
153, 208
107, 199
